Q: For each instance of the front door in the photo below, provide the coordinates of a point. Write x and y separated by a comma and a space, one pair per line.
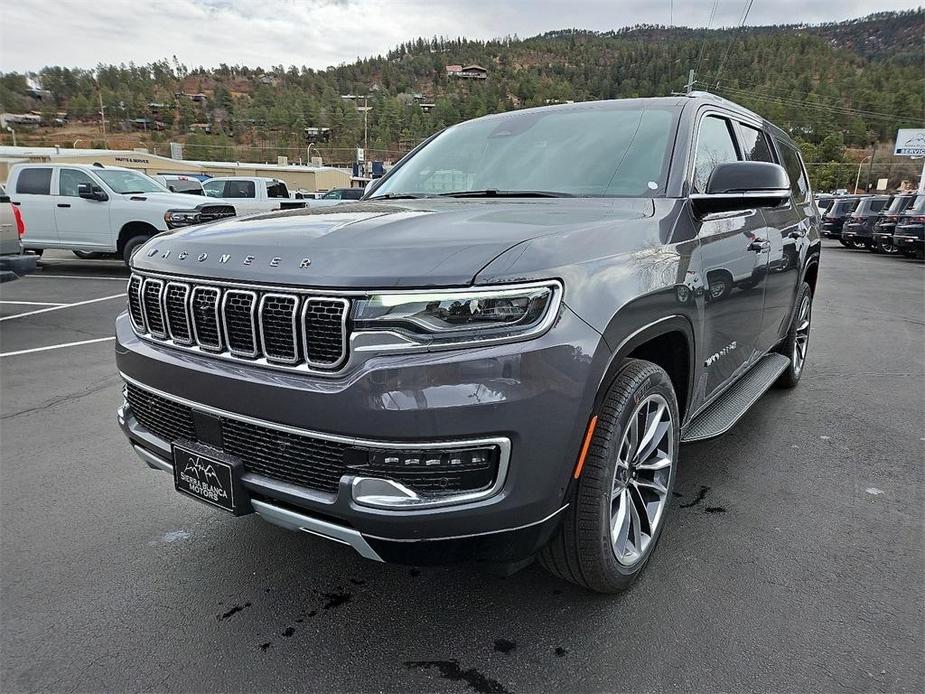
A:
788, 227
733, 264
82, 224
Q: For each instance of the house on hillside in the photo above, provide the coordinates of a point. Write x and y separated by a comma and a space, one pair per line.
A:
467, 72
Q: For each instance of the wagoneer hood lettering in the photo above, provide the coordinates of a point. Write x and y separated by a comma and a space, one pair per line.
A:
368, 244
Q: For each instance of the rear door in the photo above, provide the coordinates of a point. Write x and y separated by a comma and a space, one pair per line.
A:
31, 193
82, 224
788, 229
733, 263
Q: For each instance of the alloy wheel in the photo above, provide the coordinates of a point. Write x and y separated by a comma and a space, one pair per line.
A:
639, 492
801, 343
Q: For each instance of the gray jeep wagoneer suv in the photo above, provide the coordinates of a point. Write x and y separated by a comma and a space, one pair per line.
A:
497, 352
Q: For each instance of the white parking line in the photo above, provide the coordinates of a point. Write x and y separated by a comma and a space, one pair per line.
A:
58, 308
66, 344
33, 303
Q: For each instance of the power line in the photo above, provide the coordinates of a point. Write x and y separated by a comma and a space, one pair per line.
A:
732, 40
703, 44
838, 110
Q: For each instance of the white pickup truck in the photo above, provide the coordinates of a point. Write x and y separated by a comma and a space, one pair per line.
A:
103, 209
251, 194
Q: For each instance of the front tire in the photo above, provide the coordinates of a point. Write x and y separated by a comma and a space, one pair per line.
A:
796, 344
618, 511
131, 246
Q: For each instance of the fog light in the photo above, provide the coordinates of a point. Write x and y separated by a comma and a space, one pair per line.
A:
390, 478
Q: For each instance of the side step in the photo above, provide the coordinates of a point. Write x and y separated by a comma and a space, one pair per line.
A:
721, 415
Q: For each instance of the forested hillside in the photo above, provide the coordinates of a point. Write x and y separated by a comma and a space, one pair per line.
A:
853, 81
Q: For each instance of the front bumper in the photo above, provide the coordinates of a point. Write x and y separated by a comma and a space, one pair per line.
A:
536, 394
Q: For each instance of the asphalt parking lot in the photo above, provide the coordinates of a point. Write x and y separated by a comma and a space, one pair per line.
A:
792, 560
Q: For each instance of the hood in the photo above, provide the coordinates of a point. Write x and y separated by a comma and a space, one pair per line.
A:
178, 201
415, 243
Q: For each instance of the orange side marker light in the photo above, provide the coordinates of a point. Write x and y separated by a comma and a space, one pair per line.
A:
585, 446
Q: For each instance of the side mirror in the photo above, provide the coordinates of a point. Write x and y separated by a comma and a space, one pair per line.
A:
4, 198
91, 192
743, 185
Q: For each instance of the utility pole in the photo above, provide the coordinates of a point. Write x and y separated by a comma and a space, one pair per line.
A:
365, 131
99, 93
690, 82
870, 166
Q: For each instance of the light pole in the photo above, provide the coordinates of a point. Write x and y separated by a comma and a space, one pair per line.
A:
13, 133
857, 181
308, 154
75, 142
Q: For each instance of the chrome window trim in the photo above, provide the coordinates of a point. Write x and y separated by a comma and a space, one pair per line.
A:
207, 349
344, 314
253, 315
186, 313
160, 305
295, 334
502, 442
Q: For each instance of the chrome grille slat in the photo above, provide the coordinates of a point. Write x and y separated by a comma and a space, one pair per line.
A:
152, 308
324, 320
176, 312
204, 305
135, 310
276, 318
300, 330
238, 321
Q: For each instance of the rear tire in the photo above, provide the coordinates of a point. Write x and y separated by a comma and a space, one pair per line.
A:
844, 243
88, 255
131, 246
625, 488
796, 344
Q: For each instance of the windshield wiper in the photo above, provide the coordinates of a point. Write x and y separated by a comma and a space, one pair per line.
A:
493, 193
398, 196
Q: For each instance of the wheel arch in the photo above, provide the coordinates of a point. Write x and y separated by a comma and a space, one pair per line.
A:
132, 229
668, 342
811, 273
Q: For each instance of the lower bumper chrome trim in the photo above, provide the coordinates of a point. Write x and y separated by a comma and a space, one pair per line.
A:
154, 461
329, 531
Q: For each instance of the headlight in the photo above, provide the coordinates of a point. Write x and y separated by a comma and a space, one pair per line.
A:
457, 317
181, 218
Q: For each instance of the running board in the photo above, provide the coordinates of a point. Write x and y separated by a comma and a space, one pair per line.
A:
721, 415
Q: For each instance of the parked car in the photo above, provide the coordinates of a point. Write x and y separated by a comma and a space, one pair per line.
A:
335, 196
252, 194
13, 263
834, 218
886, 223
909, 237
180, 184
492, 365
823, 202
101, 209
858, 227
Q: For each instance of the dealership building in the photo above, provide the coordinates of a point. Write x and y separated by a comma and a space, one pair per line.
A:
297, 177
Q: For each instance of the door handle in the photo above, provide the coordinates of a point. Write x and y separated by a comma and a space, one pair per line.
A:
13, 202
760, 245
64, 204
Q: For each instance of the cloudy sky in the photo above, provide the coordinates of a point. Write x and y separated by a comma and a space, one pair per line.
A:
318, 33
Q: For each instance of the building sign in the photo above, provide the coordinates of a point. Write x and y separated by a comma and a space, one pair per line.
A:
910, 142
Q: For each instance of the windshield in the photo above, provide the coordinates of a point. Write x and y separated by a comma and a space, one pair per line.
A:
842, 207
898, 204
126, 182
605, 150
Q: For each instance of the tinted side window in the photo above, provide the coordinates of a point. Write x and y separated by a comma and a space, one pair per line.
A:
877, 205
240, 189
34, 182
332, 195
755, 144
353, 194
791, 161
69, 179
715, 145
277, 190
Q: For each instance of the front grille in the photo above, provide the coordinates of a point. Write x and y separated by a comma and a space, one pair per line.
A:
267, 328
299, 459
